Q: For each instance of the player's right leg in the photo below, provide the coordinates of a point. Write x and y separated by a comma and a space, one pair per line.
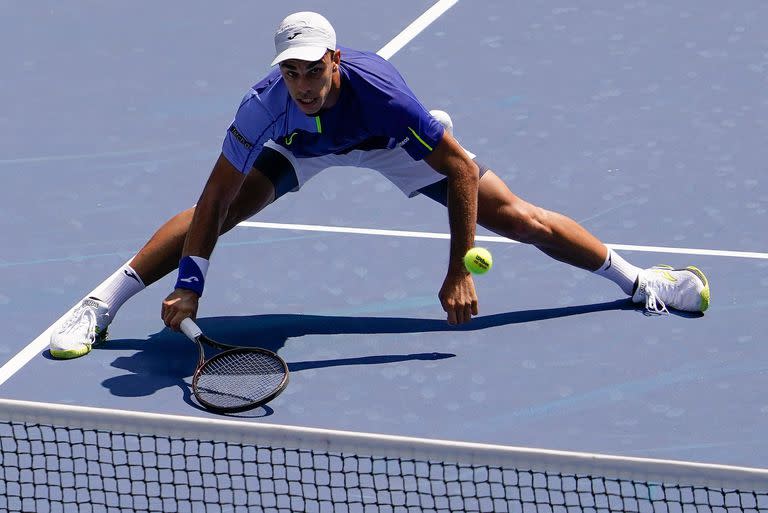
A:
87, 324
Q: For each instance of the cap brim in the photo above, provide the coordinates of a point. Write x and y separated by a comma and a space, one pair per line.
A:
302, 53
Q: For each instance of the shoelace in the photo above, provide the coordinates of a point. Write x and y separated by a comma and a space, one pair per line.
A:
654, 305
76, 319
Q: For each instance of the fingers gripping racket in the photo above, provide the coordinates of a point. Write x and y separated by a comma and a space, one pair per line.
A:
237, 379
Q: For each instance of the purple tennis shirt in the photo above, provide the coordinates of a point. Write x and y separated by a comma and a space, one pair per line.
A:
376, 109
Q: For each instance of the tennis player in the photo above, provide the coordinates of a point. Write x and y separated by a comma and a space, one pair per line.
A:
324, 105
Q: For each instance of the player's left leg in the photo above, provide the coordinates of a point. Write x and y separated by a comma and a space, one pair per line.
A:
563, 239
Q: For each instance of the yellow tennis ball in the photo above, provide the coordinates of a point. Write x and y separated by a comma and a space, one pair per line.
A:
478, 260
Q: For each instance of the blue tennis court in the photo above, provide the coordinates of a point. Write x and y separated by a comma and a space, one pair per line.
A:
645, 122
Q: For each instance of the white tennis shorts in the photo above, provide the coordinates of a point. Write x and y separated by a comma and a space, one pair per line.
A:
395, 165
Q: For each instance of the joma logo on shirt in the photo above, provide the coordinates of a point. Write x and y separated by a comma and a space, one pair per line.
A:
242, 140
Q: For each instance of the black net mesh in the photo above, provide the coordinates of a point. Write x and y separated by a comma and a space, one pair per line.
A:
56, 469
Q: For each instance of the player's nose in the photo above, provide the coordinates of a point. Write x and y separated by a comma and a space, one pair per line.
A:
303, 86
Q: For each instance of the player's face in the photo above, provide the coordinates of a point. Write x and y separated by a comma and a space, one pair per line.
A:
313, 85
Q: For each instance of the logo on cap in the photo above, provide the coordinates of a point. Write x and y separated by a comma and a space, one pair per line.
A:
294, 35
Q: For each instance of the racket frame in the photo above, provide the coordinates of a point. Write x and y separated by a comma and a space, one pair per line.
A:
195, 334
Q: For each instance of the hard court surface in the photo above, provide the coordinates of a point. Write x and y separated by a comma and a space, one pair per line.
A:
644, 121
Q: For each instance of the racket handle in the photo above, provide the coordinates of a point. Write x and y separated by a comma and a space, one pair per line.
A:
190, 329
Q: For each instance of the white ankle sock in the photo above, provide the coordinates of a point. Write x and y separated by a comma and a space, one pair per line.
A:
124, 285
619, 271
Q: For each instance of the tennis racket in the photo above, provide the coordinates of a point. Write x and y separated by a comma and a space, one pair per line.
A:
237, 379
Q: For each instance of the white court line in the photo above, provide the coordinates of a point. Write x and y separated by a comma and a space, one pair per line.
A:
415, 28
387, 51
491, 238
84, 156
41, 342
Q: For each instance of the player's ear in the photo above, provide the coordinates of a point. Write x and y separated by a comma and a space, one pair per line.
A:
336, 57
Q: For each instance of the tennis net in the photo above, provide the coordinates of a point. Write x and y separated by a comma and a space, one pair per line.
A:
58, 458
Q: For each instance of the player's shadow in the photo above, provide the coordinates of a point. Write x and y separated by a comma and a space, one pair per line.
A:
167, 358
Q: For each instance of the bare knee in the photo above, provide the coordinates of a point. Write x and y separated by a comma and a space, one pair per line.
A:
531, 224
522, 222
503, 212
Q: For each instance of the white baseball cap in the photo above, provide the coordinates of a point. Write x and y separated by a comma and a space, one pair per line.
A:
305, 36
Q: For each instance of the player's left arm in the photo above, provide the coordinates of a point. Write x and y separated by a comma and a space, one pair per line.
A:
457, 295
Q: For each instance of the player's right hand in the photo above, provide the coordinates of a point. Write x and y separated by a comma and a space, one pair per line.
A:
179, 305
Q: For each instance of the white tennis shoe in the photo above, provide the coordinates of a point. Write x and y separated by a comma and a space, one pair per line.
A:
84, 327
663, 287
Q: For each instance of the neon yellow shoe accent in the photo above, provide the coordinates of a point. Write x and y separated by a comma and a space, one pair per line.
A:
705, 293
666, 274
71, 353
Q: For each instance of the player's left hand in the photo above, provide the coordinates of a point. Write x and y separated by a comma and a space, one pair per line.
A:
458, 297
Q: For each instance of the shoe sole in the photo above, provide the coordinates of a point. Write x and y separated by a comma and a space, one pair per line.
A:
70, 353
101, 337
705, 293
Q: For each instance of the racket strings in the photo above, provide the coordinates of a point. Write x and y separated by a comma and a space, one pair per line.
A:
239, 378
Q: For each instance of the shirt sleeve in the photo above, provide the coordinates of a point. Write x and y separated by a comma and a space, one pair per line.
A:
252, 127
396, 110
416, 131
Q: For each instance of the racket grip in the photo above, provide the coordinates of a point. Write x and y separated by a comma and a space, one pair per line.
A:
190, 329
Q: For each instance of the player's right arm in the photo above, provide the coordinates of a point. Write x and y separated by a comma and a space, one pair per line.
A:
253, 124
210, 212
